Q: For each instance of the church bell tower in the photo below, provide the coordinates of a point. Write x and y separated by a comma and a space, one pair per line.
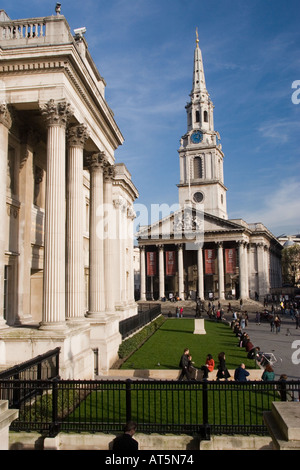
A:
200, 153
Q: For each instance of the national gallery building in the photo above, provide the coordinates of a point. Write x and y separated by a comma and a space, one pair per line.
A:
197, 251
66, 275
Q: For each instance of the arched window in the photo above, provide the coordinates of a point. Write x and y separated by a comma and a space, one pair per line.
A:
205, 116
198, 173
197, 116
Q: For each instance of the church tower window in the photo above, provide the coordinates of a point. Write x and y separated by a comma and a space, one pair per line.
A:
198, 173
205, 116
197, 116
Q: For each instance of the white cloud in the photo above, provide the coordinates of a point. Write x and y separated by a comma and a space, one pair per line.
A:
277, 210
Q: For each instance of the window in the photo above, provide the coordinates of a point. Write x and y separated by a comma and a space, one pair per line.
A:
197, 116
198, 168
205, 116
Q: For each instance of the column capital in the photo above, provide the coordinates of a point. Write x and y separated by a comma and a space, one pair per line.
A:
219, 244
77, 135
108, 172
95, 161
56, 113
5, 117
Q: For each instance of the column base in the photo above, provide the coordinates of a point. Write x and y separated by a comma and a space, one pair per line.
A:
3, 324
57, 326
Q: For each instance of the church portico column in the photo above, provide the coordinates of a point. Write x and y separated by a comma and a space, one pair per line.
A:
5, 124
96, 252
221, 271
261, 267
161, 272
77, 136
200, 273
180, 272
143, 273
56, 117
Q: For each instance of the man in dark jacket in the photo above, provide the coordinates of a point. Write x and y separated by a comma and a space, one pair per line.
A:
184, 364
125, 442
241, 374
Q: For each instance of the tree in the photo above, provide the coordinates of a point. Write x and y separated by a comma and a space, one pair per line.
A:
291, 264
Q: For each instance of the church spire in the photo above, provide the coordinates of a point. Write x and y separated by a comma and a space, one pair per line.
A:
198, 76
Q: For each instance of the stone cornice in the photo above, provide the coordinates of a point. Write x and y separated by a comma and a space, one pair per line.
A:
66, 59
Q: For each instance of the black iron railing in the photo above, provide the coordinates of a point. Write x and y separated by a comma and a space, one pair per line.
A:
132, 324
44, 366
201, 408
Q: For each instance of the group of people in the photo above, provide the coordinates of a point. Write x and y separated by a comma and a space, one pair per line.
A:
190, 372
253, 352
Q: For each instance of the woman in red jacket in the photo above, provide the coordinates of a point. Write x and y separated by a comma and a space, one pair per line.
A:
208, 366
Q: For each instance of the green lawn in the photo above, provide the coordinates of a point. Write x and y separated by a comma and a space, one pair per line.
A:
165, 347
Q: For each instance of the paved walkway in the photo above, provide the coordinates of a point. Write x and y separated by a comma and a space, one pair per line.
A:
285, 345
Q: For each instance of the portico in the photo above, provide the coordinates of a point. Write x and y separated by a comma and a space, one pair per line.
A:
59, 183
226, 265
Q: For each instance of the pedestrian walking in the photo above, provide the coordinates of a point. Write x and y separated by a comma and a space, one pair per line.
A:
184, 365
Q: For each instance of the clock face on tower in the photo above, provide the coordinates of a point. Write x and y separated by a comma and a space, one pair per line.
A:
196, 137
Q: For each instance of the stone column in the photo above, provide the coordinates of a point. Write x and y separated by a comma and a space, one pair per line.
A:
242, 271
96, 254
200, 273
109, 237
5, 125
56, 115
131, 215
77, 136
143, 273
221, 271
180, 272
262, 281
161, 272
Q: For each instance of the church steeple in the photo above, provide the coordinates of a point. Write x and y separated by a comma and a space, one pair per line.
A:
200, 108
201, 156
198, 77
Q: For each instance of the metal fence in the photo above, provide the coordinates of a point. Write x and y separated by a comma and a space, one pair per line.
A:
133, 324
201, 408
44, 366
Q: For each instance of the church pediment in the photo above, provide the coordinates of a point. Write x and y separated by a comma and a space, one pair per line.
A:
186, 223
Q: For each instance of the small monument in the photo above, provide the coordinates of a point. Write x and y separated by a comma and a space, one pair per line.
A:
199, 328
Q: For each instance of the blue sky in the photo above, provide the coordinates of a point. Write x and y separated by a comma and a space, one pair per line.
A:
251, 52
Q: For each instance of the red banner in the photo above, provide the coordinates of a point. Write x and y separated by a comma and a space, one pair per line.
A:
209, 256
151, 263
230, 260
170, 263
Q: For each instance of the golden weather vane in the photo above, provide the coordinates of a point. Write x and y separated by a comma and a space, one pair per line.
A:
197, 37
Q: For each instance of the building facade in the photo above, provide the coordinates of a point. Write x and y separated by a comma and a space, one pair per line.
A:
66, 274
197, 251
